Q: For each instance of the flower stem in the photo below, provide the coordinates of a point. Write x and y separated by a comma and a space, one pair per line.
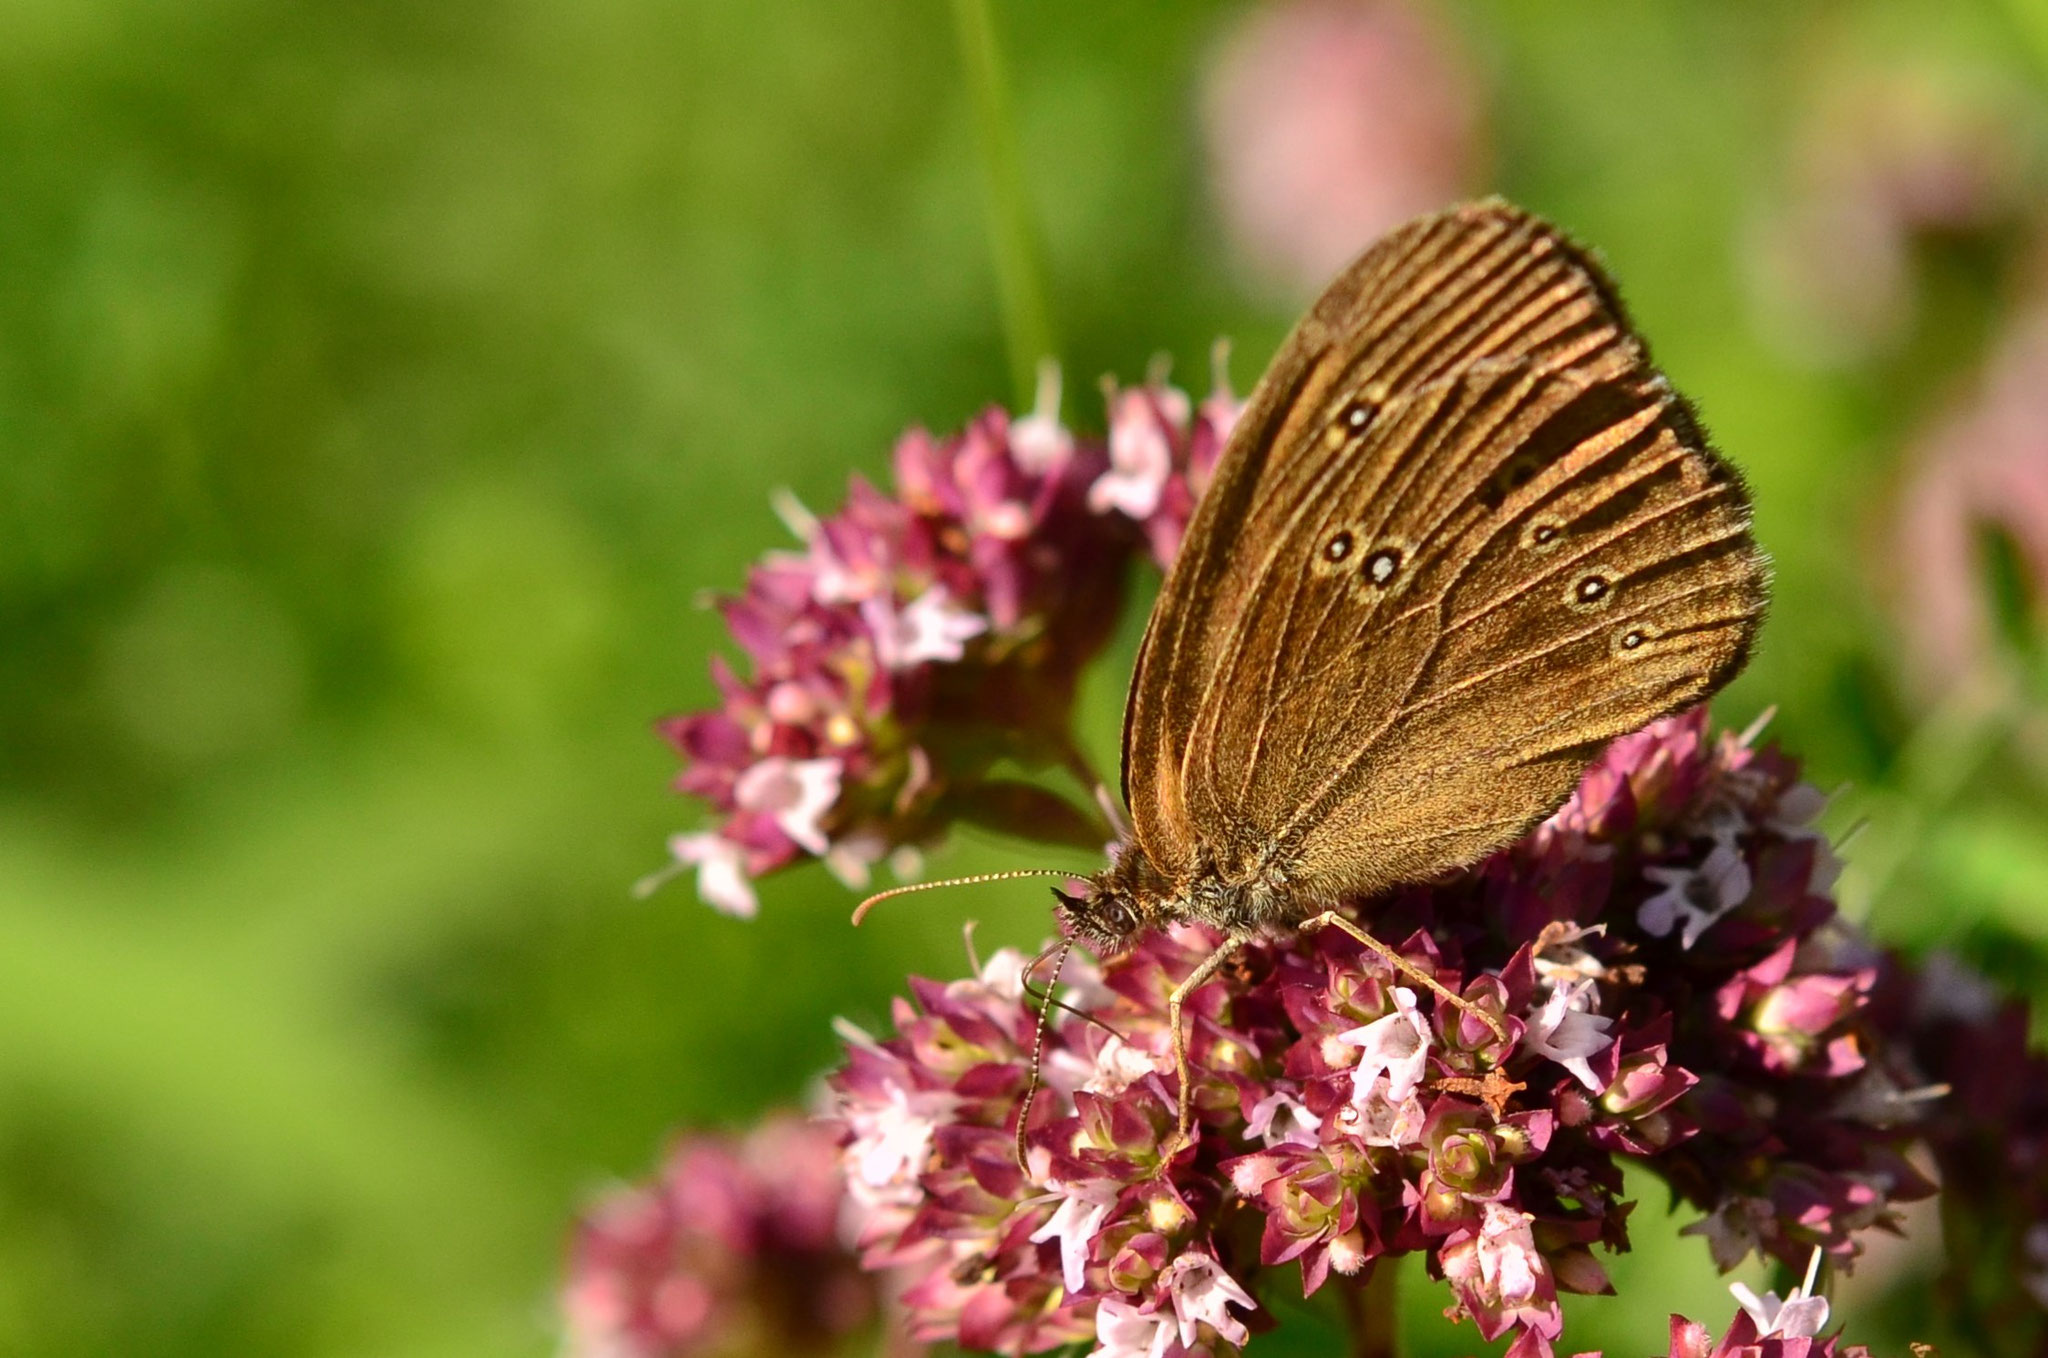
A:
1372, 1314
1013, 237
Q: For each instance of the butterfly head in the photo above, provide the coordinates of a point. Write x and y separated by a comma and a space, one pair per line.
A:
1107, 920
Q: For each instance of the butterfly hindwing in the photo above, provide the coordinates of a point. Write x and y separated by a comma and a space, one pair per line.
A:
1463, 534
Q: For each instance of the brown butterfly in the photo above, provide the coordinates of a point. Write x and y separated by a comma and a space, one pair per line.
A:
1463, 535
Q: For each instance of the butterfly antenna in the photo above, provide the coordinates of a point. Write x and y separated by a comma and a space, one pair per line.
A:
1046, 996
860, 912
1038, 1046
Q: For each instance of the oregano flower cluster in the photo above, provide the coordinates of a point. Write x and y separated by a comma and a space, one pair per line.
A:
1664, 955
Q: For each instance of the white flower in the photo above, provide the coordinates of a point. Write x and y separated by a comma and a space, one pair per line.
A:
1123, 1331
1039, 442
1003, 973
1202, 1292
890, 1144
929, 627
1280, 1119
1140, 458
1799, 1316
1084, 987
853, 858
1082, 1210
1383, 1122
721, 873
796, 792
1118, 1065
835, 580
1508, 1261
1693, 898
1562, 1030
1397, 1045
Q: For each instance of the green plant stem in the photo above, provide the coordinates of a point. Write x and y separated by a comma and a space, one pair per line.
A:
1013, 236
1373, 1315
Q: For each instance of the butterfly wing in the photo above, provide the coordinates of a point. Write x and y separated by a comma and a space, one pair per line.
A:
1463, 535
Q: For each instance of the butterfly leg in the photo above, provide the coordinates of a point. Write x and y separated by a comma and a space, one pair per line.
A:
1184, 1124
1407, 968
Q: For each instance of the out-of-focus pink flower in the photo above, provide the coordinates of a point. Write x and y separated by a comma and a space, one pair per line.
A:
1162, 450
722, 879
732, 1249
1694, 897
1983, 465
1888, 160
1979, 1098
1331, 121
794, 793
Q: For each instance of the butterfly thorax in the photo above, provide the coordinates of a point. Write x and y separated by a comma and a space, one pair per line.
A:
1132, 896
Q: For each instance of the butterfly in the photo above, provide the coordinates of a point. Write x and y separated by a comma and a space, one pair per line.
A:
1462, 536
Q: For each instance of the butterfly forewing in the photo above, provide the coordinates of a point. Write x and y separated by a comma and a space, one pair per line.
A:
1463, 535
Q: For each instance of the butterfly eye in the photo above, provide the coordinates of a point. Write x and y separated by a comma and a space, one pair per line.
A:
1542, 534
1355, 417
1634, 639
1382, 566
1337, 548
1592, 590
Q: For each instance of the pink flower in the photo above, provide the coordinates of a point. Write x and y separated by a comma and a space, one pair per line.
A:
1039, 442
795, 793
929, 628
1336, 1127
1565, 1032
1123, 1331
1329, 123
1501, 1279
1886, 159
1083, 1207
733, 1244
1396, 1046
1280, 1119
1140, 452
721, 873
1980, 467
888, 1144
1202, 1293
929, 638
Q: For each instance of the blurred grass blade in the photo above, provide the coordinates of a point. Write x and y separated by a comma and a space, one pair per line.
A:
1013, 233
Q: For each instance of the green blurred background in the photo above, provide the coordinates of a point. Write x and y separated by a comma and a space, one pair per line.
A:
382, 382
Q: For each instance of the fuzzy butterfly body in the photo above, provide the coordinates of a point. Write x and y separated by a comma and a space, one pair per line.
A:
1464, 534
